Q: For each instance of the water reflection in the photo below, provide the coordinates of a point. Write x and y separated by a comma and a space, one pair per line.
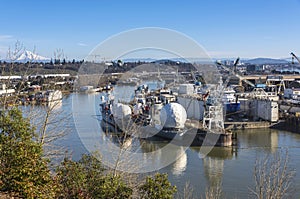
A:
179, 166
213, 170
177, 155
266, 139
213, 163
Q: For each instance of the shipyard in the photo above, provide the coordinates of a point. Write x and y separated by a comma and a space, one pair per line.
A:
255, 97
149, 99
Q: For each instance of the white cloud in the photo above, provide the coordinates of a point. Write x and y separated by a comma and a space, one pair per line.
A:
5, 37
81, 44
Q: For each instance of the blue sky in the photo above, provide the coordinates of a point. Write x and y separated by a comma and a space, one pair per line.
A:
256, 28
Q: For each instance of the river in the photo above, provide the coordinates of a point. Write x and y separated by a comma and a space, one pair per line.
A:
233, 167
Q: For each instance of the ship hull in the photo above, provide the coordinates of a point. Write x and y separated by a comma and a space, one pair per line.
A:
197, 137
171, 134
207, 138
109, 125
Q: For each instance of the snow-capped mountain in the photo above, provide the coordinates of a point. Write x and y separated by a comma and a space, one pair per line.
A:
32, 57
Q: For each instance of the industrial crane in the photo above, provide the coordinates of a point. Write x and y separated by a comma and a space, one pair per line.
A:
233, 72
294, 56
235, 64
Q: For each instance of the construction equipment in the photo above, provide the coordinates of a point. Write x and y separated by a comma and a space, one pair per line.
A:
294, 56
233, 72
235, 64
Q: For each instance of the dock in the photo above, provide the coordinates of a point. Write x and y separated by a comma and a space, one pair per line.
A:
247, 125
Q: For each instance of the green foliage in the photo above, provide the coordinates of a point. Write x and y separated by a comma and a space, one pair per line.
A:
157, 187
112, 187
72, 180
23, 171
85, 179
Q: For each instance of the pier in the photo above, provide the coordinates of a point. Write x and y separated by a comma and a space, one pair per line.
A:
247, 125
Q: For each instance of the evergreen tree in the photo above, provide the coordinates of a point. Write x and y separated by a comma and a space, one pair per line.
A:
56, 61
23, 171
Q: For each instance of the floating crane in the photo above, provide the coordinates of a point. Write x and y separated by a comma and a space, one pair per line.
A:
294, 56
233, 72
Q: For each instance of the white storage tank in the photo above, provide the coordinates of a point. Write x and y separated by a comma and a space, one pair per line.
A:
121, 111
173, 115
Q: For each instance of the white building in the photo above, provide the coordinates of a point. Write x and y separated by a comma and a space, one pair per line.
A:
11, 77
5, 91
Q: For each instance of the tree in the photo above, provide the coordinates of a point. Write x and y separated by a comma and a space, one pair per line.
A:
214, 192
86, 179
71, 180
56, 61
157, 187
23, 170
273, 177
113, 187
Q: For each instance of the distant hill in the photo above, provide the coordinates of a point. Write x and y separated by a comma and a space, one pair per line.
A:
174, 59
137, 60
265, 61
207, 60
